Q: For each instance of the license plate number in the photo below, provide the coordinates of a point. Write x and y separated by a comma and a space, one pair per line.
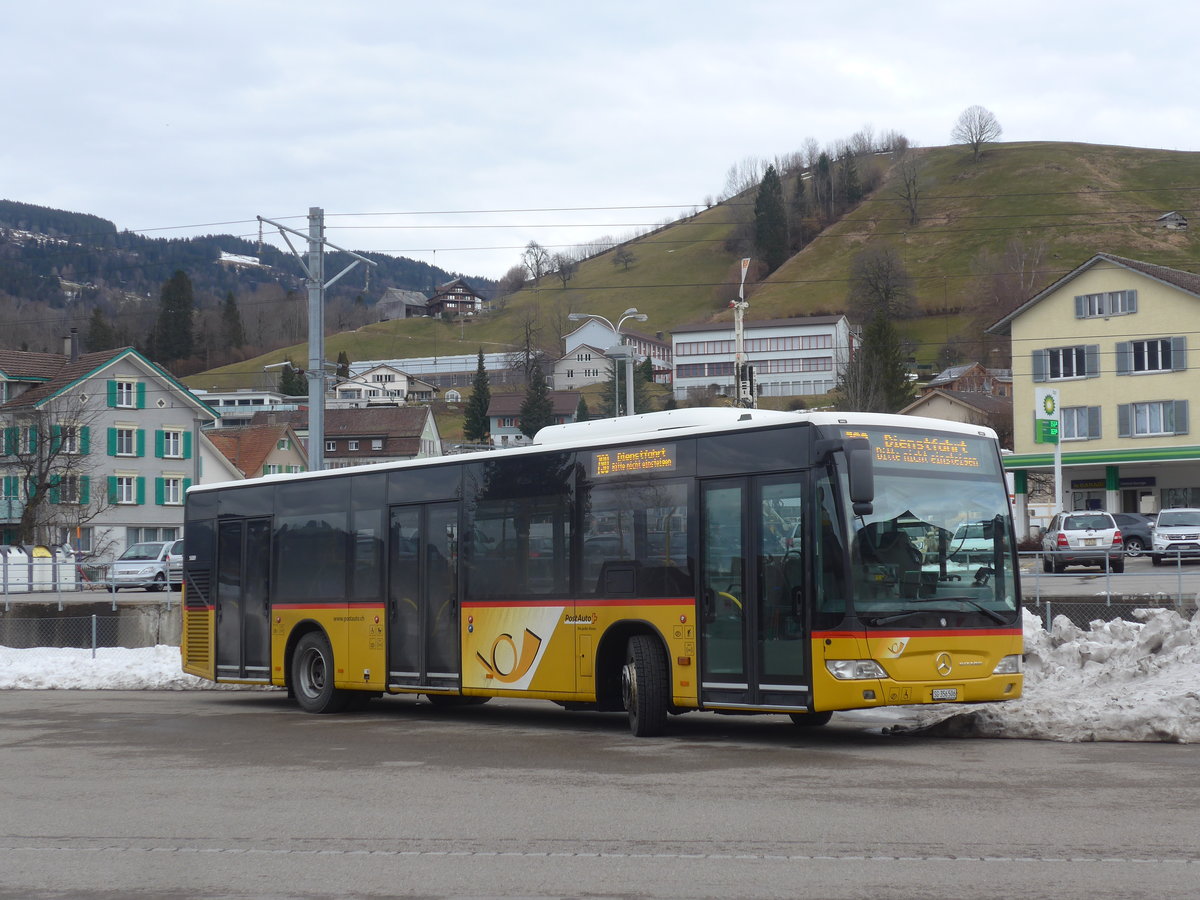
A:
945, 693
1089, 542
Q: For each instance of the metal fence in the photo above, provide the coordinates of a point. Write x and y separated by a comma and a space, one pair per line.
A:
23, 633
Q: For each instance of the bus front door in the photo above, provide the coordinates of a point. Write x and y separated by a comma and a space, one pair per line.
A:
754, 636
243, 603
423, 596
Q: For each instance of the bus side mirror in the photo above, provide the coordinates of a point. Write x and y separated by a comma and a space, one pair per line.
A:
860, 470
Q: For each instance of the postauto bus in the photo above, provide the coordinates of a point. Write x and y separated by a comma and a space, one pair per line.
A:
728, 560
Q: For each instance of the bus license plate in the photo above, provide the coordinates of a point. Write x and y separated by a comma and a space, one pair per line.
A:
945, 693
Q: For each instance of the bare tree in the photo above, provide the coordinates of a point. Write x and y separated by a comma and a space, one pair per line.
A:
537, 261
48, 451
975, 127
564, 267
880, 285
743, 176
910, 167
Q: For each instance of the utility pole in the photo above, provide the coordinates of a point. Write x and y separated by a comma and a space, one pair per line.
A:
314, 268
743, 374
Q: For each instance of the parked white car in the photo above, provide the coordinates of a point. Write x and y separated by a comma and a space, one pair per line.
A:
153, 565
1176, 533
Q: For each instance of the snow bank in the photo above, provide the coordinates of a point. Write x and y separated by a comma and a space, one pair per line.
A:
1115, 681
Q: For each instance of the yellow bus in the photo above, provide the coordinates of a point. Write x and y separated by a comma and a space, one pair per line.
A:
728, 560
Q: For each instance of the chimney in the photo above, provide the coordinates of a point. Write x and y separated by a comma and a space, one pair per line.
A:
71, 345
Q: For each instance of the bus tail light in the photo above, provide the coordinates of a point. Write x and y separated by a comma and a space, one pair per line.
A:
854, 669
1009, 665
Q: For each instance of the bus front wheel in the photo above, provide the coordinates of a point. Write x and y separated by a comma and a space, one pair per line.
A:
312, 676
811, 719
644, 686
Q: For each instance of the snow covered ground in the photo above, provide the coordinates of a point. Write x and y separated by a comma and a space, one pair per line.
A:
1117, 681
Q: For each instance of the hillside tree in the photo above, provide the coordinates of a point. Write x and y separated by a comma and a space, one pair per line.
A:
876, 377
343, 365
909, 174
475, 417
536, 260
975, 127
173, 338
770, 221
232, 331
292, 382
100, 334
880, 284
564, 267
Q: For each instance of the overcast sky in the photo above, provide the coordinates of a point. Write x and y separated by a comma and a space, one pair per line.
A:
176, 118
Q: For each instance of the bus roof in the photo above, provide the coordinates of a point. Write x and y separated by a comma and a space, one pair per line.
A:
678, 422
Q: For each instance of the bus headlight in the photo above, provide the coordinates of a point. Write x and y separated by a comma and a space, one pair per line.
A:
1010, 665
854, 669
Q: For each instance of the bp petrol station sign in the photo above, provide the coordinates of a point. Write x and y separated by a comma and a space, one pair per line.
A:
1046, 419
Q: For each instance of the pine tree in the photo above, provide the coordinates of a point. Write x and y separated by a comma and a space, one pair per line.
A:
770, 222
876, 379
173, 331
231, 323
100, 335
536, 410
475, 417
343, 365
581, 411
292, 382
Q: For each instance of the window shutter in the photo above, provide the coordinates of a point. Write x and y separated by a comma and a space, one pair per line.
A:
187, 445
85, 489
1181, 417
55, 491
1178, 354
1080, 309
1041, 364
1124, 420
10, 441
112, 442
1131, 301
158, 443
85, 440
1091, 364
112, 394
113, 497
140, 484
55, 439
139, 442
1093, 423
141, 395
33, 439
158, 492
1124, 357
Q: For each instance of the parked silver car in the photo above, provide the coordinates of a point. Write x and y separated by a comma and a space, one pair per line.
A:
1176, 534
153, 565
1088, 538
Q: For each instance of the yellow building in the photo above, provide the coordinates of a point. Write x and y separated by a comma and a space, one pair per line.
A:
1112, 337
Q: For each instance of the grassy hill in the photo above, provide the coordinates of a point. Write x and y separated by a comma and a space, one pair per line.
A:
1078, 199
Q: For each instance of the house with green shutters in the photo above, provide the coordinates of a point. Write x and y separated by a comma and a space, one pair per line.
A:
97, 449
1112, 338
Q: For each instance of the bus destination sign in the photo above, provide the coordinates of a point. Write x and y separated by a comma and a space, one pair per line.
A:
632, 460
922, 450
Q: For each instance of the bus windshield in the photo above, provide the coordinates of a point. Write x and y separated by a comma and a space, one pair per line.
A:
936, 548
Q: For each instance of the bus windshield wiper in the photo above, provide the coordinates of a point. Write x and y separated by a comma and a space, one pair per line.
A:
990, 613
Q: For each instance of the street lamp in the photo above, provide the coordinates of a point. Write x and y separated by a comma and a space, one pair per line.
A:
616, 354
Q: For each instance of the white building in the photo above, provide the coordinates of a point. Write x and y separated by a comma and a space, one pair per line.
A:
380, 384
581, 366
791, 357
238, 406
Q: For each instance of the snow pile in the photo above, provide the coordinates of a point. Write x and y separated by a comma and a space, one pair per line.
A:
1116, 681
113, 669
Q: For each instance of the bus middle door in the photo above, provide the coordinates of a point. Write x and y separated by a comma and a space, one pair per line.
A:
753, 630
423, 596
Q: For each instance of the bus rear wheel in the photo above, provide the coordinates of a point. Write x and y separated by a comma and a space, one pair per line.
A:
644, 686
312, 676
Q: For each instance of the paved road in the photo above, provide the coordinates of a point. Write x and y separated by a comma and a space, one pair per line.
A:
237, 794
